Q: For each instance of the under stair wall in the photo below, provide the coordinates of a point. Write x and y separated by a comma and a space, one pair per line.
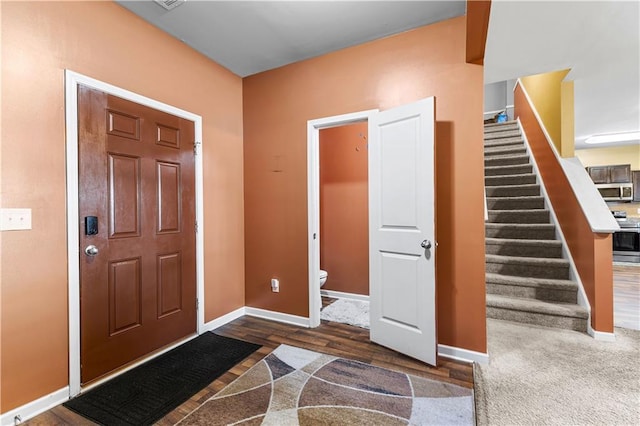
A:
591, 249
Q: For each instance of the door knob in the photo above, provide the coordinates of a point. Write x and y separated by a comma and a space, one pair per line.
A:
91, 250
425, 244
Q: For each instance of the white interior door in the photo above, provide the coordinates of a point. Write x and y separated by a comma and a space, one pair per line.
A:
401, 229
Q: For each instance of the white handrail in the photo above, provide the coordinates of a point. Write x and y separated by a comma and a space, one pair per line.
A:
593, 206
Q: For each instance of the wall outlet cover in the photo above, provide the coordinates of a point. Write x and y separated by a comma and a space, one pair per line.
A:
15, 219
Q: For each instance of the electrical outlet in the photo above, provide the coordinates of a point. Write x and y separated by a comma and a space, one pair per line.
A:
15, 219
638, 211
275, 285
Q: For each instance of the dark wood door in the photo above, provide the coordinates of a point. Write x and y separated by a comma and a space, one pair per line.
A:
136, 176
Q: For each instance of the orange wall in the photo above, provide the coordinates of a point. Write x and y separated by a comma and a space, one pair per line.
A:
592, 253
344, 208
428, 61
107, 42
478, 12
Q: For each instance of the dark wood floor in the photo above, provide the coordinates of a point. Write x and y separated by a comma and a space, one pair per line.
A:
331, 338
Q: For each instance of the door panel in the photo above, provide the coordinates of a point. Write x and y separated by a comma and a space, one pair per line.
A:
137, 176
124, 196
125, 289
401, 209
168, 197
169, 284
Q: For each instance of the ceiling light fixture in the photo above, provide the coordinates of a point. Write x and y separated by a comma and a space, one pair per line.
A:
613, 137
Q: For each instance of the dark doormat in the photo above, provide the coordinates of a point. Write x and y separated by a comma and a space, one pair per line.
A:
148, 392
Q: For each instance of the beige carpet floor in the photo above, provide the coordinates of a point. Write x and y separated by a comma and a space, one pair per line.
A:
544, 376
293, 386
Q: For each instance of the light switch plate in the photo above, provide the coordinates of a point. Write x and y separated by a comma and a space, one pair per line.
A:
15, 219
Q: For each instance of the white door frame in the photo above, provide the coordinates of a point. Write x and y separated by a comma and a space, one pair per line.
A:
72, 81
313, 200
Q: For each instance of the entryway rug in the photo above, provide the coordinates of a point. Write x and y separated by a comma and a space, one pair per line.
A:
148, 392
347, 311
293, 386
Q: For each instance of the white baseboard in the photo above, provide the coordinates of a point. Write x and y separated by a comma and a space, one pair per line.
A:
227, 318
277, 316
600, 335
464, 355
34, 408
342, 295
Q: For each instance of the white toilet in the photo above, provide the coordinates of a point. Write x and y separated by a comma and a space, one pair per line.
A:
323, 277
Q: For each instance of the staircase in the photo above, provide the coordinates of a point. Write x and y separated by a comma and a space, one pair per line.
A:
526, 275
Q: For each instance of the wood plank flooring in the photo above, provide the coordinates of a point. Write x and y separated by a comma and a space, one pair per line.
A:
626, 296
331, 338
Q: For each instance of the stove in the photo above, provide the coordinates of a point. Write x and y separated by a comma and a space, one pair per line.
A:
626, 242
631, 222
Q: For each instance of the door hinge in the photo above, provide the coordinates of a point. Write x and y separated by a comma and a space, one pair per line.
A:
196, 145
197, 304
196, 226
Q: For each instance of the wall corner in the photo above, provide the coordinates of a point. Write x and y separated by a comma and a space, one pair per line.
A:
567, 118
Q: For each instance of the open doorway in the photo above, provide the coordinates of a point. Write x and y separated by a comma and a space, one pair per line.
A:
314, 129
400, 148
344, 224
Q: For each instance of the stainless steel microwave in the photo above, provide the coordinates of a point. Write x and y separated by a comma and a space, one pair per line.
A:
616, 191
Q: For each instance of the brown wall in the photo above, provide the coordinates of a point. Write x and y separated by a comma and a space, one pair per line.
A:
591, 252
428, 61
106, 42
344, 208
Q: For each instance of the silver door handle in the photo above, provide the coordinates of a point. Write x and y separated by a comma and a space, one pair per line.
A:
91, 250
425, 244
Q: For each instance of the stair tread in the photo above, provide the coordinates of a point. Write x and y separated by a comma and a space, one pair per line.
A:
537, 306
506, 144
531, 281
498, 258
518, 186
507, 166
517, 175
511, 149
522, 241
516, 197
507, 156
523, 211
498, 125
519, 225
507, 133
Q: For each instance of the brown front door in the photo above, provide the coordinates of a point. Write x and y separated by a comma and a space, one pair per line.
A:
137, 182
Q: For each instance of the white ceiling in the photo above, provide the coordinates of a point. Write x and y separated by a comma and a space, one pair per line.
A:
599, 41
248, 37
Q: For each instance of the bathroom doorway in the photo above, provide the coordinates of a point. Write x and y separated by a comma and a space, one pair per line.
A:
314, 129
402, 246
344, 223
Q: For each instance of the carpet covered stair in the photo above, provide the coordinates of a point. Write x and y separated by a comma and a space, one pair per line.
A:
526, 275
